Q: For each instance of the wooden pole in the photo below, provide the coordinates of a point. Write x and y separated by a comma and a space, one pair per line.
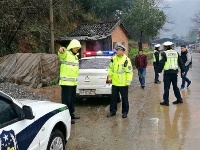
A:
51, 28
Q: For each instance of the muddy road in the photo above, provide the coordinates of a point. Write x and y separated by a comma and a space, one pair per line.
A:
149, 126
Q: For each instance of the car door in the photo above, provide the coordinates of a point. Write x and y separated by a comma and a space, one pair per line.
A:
15, 134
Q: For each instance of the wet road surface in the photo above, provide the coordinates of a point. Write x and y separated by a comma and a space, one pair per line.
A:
149, 126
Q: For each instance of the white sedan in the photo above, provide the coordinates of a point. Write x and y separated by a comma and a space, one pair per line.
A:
93, 77
32, 124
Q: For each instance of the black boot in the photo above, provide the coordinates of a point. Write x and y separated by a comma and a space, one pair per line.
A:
164, 103
177, 102
111, 115
74, 117
157, 82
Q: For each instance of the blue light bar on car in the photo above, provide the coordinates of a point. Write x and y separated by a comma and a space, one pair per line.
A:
99, 53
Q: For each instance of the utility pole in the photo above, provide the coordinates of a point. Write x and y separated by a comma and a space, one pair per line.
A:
141, 30
51, 28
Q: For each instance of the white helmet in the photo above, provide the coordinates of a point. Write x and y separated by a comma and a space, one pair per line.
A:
120, 46
168, 43
157, 45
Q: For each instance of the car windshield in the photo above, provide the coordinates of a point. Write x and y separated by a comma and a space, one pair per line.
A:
94, 63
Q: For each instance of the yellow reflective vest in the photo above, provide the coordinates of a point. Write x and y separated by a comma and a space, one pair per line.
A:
172, 60
69, 68
154, 58
120, 71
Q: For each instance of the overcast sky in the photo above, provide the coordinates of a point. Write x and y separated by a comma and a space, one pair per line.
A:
180, 12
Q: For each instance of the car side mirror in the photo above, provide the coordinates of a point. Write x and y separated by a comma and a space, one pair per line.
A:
28, 112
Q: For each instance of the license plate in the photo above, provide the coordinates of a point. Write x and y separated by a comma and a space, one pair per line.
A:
87, 92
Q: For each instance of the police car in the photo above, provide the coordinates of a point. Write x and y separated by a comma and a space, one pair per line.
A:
33, 125
93, 74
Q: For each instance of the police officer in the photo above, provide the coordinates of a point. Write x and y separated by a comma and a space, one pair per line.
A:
170, 62
69, 70
156, 59
120, 74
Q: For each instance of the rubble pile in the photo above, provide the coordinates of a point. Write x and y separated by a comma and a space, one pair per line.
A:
19, 92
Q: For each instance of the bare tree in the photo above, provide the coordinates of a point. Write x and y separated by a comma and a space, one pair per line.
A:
196, 19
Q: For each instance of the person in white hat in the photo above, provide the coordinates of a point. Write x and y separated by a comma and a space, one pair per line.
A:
156, 59
170, 63
120, 74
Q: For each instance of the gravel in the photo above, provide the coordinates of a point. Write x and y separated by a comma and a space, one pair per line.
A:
19, 92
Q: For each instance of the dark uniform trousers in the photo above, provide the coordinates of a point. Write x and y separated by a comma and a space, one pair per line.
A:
68, 97
123, 90
168, 79
156, 72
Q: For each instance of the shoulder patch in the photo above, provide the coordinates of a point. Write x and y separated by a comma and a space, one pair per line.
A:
8, 140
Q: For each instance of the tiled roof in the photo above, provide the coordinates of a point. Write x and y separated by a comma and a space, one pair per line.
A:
94, 31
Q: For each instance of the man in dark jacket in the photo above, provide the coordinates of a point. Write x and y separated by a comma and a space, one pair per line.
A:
141, 64
187, 59
170, 62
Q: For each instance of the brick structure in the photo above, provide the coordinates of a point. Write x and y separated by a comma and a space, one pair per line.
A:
118, 36
98, 36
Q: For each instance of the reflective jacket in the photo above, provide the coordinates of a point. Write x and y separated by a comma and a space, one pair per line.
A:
69, 68
156, 56
120, 71
172, 60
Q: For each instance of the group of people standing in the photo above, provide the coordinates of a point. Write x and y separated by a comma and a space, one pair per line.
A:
170, 61
120, 74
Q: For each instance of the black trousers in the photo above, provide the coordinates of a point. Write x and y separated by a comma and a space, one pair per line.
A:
68, 95
168, 79
156, 72
123, 90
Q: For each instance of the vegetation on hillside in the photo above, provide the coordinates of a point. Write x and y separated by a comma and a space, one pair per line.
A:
24, 25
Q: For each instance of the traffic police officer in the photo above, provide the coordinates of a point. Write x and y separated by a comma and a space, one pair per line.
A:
69, 70
170, 62
120, 74
156, 59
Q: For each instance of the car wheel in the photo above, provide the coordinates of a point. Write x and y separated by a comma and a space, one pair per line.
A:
56, 141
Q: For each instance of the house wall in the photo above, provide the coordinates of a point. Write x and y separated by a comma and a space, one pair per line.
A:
118, 36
